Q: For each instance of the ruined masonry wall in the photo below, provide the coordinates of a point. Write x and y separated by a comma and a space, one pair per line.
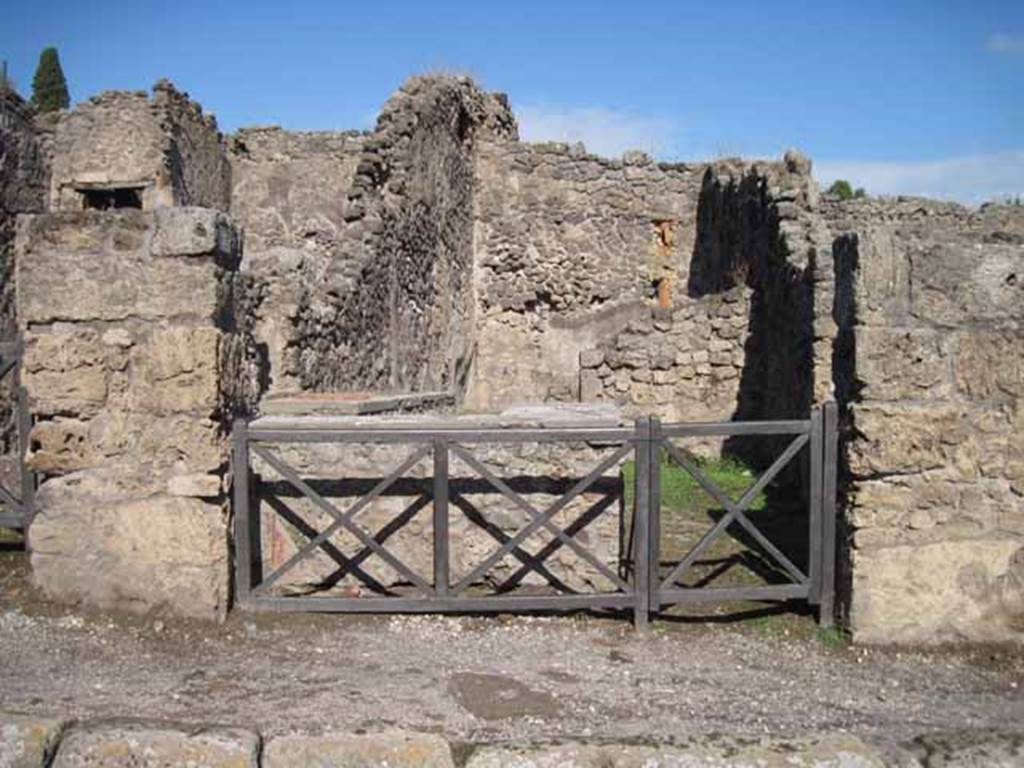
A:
123, 138
683, 364
928, 367
23, 184
758, 225
741, 339
570, 249
397, 313
137, 356
289, 194
23, 179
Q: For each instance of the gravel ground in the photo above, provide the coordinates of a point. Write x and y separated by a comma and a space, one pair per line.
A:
491, 679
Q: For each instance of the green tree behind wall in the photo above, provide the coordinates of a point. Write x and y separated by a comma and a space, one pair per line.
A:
842, 189
49, 88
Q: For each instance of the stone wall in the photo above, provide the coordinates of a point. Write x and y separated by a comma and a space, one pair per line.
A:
480, 518
137, 356
439, 253
928, 368
758, 226
23, 184
396, 313
740, 340
289, 194
570, 249
683, 364
162, 147
23, 181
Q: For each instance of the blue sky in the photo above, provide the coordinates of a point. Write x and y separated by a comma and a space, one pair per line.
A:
899, 97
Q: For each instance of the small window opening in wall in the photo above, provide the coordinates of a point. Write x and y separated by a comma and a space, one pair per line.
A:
114, 197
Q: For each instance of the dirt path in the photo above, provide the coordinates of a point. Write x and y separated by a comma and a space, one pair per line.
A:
490, 679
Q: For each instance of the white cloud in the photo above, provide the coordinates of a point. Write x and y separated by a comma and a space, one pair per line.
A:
604, 131
968, 179
1008, 44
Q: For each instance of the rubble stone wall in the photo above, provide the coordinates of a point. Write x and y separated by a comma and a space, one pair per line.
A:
137, 356
683, 364
759, 227
480, 518
397, 312
570, 249
163, 145
740, 339
23, 185
439, 253
928, 367
290, 193
23, 182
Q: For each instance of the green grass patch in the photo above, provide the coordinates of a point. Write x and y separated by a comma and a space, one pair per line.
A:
10, 536
688, 512
682, 495
833, 637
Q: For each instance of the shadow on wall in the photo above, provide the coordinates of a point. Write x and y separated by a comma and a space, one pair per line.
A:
846, 258
739, 242
482, 520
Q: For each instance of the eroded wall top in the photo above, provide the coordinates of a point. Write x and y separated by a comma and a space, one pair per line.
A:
124, 149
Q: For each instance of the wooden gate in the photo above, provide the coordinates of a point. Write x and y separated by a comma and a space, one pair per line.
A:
643, 583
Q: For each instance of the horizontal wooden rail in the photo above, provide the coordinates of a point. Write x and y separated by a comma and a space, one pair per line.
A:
640, 586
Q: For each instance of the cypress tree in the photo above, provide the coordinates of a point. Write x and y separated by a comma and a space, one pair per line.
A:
49, 88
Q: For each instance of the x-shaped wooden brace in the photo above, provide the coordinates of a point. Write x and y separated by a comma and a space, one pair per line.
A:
734, 510
8, 359
10, 499
540, 519
341, 519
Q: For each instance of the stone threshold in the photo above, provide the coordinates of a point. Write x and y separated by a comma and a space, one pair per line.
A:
353, 403
32, 741
522, 416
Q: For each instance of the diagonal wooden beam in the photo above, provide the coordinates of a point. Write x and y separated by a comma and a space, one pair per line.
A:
10, 499
580, 523
734, 508
345, 563
795, 573
541, 519
528, 560
697, 474
342, 519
